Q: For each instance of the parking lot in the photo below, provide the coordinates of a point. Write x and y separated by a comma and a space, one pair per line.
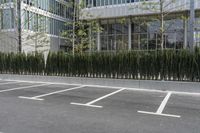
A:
47, 107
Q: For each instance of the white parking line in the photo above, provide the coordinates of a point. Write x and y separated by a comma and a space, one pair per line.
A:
161, 108
152, 113
48, 94
163, 104
90, 104
20, 88
9, 83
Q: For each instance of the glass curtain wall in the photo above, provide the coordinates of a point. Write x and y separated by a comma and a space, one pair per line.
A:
144, 36
6, 16
36, 22
139, 36
41, 23
97, 3
173, 34
52, 6
114, 35
197, 30
147, 36
6, 19
5, 1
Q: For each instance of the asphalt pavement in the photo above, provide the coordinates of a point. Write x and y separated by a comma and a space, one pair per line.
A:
39, 107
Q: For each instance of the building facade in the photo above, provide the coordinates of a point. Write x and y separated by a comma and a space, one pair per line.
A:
135, 24
33, 25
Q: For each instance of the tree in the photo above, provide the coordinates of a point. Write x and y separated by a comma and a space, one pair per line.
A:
162, 9
81, 33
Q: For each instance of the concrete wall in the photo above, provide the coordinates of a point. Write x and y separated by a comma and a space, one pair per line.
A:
133, 9
30, 42
40, 42
35, 41
8, 41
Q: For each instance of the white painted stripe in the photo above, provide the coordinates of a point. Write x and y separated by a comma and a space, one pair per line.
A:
9, 83
90, 104
103, 97
52, 93
161, 108
164, 102
31, 98
80, 104
20, 88
56, 92
115, 87
152, 113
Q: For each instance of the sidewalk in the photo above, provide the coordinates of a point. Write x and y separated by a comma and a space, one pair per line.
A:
193, 87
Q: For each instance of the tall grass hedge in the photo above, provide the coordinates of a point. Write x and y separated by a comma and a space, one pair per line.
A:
11, 63
181, 65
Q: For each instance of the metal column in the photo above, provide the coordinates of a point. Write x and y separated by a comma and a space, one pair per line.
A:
192, 20
98, 41
185, 34
129, 35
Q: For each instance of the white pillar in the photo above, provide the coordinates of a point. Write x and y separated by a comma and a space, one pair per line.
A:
98, 41
185, 33
90, 38
129, 35
65, 12
192, 20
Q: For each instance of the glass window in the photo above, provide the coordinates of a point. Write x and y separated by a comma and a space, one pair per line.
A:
7, 21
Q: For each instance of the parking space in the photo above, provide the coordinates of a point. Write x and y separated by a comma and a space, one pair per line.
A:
13, 86
186, 106
132, 101
76, 104
32, 91
82, 95
3, 82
